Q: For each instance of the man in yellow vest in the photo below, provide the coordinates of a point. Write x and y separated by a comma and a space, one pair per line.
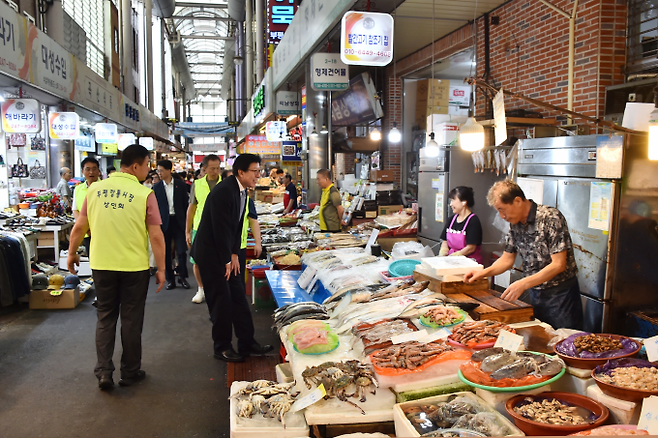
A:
216, 250
91, 172
198, 194
128, 215
331, 209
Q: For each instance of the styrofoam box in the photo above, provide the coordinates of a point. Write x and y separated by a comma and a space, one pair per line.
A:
621, 411
403, 426
84, 269
284, 373
456, 265
573, 384
258, 426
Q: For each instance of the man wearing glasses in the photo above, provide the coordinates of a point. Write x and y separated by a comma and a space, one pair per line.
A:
216, 250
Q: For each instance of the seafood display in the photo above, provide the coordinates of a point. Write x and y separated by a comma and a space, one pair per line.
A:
398, 292
629, 373
596, 344
611, 431
478, 332
501, 368
290, 313
381, 332
420, 307
457, 412
312, 337
365, 260
266, 398
553, 411
441, 316
590, 346
409, 355
343, 380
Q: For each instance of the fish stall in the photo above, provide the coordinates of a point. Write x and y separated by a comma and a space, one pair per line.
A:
365, 347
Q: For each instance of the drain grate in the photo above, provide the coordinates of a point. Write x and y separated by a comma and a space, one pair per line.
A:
253, 368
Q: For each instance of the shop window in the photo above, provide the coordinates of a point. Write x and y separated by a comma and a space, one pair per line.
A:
88, 14
642, 36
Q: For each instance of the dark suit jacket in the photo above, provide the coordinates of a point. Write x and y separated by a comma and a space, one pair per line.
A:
181, 200
220, 231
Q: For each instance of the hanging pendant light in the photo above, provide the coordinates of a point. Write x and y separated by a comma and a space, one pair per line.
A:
314, 133
394, 135
471, 135
375, 135
432, 147
324, 130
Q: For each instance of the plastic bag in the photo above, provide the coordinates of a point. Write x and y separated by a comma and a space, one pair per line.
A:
568, 348
410, 250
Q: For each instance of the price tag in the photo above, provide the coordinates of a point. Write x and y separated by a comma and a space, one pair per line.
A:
372, 240
306, 277
509, 341
649, 415
651, 345
442, 333
406, 337
315, 396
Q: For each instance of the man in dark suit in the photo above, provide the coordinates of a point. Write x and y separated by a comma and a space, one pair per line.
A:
216, 250
173, 195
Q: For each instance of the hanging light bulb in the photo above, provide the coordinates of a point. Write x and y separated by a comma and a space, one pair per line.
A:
471, 135
394, 135
314, 133
324, 130
432, 147
653, 135
375, 135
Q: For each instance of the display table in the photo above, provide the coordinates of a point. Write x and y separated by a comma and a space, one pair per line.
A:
32, 242
285, 289
51, 235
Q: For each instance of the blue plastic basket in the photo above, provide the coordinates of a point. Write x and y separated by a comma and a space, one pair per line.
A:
402, 268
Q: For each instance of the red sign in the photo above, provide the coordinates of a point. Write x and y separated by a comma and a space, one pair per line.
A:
279, 15
460, 93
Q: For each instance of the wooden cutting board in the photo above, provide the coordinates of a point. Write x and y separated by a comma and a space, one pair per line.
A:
492, 307
451, 287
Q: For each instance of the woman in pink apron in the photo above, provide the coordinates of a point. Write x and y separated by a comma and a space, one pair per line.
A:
463, 232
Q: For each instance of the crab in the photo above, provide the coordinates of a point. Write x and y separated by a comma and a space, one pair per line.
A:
245, 409
278, 406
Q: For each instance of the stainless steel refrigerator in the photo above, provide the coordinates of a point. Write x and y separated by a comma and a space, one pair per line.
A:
436, 177
607, 190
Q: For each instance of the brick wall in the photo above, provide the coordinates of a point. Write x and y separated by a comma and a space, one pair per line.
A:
344, 164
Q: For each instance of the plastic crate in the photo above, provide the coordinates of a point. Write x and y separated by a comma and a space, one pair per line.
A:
262, 297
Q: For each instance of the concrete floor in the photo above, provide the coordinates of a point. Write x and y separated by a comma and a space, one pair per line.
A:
48, 388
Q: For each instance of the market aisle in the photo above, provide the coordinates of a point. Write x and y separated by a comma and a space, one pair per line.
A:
48, 388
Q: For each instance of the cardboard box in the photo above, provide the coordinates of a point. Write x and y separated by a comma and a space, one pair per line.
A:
434, 101
382, 176
46, 241
371, 214
383, 210
41, 299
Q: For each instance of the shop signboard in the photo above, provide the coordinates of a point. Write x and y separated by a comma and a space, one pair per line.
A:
356, 104
106, 133
64, 126
109, 148
85, 143
147, 142
95, 93
291, 151
262, 99
258, 144
287, 103
279, 15
329, 72
54, 70
275, 131
366, 38
303, 98
125, 140
21, 115
13, 29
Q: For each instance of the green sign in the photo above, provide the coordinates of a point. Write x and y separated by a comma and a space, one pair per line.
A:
258, 101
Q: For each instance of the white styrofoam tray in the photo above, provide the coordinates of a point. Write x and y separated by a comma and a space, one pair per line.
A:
457, 265
258, 425
403, 426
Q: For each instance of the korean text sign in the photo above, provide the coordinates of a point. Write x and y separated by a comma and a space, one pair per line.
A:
21, 115
106, 133
366, 38
258, 144
280, 14
287, 103
329, 72
64, 126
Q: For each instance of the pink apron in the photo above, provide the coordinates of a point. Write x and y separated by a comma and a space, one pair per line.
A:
457, 240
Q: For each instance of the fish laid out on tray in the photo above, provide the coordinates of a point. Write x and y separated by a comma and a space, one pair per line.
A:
349, 280
269, 399
502, 368
343, 380
553, 411
294, 312
420, 307
478, 332
412, 289
368, 289
312, 337
409, 355
382, 331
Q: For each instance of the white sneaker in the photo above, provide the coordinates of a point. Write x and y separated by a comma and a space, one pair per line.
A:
199, 297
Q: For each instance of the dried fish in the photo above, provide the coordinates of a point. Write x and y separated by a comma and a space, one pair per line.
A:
553, 411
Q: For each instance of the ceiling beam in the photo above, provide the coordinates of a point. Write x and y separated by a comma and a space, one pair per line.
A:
192, 17
204, 37
201, 5
205, 63
207, 81
211, 52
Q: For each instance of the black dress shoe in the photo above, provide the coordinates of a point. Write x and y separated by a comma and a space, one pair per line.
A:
257, 349
171, 285
105, 382
127, 381
183, 282
229, 356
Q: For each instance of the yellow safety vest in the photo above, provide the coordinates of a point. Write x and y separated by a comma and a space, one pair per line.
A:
201, 192
245, 225
324, 201
80, 194
117, 206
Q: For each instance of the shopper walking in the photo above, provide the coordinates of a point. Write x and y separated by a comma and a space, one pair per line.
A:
127, 214
173, 197
198, 194
91, 171
290, 195
331, 208
63, 190
216, 250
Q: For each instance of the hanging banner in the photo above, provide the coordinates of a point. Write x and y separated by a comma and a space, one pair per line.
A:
106, 133
287, 103
85, 143
329, 72
125, 140
21, 115
500, 129
275, 131
258, 144
303, 98
13, 59
366, 38
291, 151
147, 142
64, 126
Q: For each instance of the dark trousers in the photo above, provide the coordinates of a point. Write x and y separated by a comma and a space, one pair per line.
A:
228, 306
175, 234
559, 306
124, 294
